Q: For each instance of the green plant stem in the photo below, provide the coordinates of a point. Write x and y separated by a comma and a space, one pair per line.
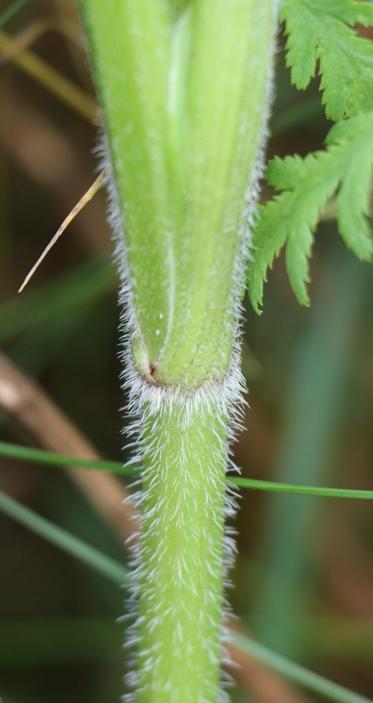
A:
185, 108
182, 558
185, 105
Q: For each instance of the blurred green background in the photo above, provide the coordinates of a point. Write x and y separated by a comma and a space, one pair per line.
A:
303, 579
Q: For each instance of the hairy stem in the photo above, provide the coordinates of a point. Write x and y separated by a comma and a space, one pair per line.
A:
181, 552
184, 88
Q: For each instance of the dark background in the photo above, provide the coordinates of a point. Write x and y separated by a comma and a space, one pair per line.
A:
304, 575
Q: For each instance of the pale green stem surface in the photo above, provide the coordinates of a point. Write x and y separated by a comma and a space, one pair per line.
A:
185, 106
182, 558
184, 88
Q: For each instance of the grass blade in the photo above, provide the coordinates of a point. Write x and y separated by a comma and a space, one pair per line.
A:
312, 416
69, 295
40, 456
299, 489
11, 11
63, 539
297, 673
295, 114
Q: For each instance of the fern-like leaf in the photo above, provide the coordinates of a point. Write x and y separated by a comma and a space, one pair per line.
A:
305, 186
320, 34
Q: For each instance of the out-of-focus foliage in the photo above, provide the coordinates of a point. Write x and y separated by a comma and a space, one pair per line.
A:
303, 579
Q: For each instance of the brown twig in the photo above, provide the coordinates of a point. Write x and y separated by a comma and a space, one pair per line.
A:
36, 30
48, 76
22, 398
261, 682
348, 570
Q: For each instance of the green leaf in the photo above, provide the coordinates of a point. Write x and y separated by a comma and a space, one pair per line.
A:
305, 185
320, 39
